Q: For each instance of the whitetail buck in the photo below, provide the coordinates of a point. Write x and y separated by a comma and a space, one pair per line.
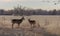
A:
17, 21
32, 22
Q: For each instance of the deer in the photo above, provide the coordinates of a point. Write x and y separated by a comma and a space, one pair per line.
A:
32, 22
17, 21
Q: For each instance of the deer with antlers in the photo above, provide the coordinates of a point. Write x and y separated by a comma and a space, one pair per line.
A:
17, 21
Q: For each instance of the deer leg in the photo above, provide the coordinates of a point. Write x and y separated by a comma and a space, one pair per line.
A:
18, 25
12, 26
31, 25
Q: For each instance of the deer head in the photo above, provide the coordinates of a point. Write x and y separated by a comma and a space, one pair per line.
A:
23, 18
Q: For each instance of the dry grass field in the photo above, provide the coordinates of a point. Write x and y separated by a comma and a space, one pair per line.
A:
45, 26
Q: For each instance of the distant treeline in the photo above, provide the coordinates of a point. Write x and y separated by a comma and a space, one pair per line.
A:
26, 11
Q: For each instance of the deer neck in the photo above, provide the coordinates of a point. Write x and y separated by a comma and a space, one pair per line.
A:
22, 19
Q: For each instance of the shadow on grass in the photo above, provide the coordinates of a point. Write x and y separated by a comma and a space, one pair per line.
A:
45, 33
22, 32
49, 34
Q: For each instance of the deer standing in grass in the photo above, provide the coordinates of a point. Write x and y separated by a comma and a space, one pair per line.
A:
17, 21
32, 22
